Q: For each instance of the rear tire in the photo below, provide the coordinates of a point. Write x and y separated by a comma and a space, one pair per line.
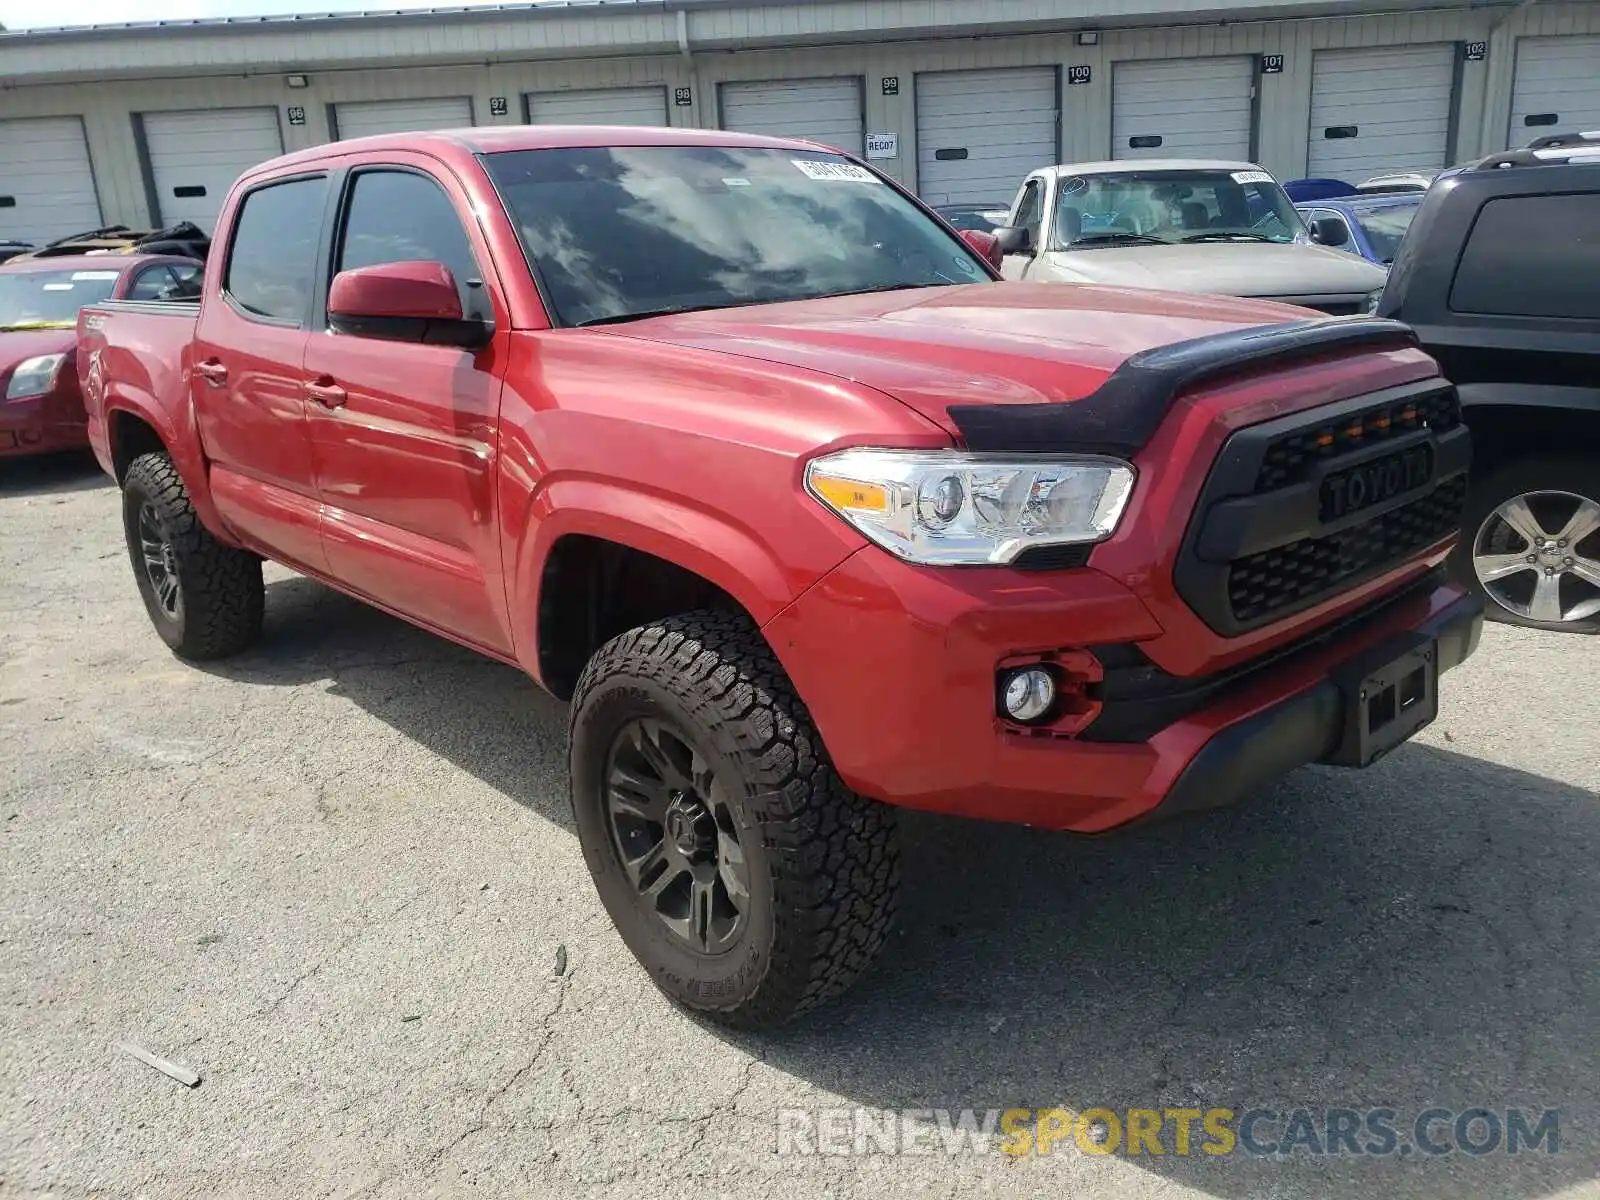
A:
696, 772
1536, 577
204, 598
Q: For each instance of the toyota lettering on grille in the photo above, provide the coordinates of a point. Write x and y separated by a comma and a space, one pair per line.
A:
1357, 488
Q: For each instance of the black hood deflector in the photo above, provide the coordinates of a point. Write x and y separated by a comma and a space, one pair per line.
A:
1121, 415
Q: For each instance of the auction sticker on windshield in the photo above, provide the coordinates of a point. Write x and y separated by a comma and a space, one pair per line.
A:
832, 171
1251, 177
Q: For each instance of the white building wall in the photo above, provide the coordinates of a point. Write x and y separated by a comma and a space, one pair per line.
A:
219, 67
1494, 113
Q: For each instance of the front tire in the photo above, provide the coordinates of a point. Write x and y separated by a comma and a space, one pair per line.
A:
204, 598
1530, 543
738, 868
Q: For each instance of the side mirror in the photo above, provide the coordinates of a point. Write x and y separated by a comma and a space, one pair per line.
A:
985, 245
1329, 231
1014, 239
404, 302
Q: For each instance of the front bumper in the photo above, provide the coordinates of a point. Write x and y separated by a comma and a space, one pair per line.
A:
897, 666
42, 424
1302, 728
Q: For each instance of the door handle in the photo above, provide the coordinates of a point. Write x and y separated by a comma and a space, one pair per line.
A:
327, 393
212, 371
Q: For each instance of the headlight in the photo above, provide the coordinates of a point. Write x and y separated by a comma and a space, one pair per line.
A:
34, 377
946, 507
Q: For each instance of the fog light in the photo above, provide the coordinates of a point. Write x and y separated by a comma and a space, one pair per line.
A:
1028, 694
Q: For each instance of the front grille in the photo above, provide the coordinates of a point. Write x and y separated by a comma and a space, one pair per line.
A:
1291, 458
1266, 540
1260, 585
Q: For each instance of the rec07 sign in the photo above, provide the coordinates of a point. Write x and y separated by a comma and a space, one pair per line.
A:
883, 145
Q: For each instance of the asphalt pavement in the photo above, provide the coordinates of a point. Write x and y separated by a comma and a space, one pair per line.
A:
337, 878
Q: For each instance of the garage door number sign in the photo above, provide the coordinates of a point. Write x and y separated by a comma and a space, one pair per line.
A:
297, 114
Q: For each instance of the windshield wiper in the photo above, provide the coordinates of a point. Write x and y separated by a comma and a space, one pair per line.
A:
618, 318
673, 310
883, 287
1113, 239
1226, 237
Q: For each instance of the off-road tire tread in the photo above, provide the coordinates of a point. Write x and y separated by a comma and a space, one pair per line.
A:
834, 854
223, 595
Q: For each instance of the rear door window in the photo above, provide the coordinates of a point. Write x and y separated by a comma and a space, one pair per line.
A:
272, 261
167, 282
1532, 256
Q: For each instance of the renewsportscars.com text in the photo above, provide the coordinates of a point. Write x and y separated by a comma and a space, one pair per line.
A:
1133, 1132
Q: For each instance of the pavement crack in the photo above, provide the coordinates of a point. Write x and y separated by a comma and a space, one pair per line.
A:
436, 1158
348, 941
728, 1108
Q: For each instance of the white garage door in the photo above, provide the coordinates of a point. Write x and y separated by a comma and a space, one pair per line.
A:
194, 157
1557, 88
46, 186
1188, 107
824, 110
1379, 110
367, 117
980, 132
607, 106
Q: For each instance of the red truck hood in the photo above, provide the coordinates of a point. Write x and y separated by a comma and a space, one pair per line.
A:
24, 344
992, 343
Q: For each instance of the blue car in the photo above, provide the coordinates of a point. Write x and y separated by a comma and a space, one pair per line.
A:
1376, 223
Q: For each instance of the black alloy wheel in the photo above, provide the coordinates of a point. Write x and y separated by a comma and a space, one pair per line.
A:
675, 835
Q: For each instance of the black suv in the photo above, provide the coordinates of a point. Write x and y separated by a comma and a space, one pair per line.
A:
1499, 274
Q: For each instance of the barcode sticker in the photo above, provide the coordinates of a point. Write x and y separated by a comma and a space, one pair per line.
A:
1251, 177
833, 172
85, 275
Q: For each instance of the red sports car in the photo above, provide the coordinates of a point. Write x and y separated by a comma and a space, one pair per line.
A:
41, 409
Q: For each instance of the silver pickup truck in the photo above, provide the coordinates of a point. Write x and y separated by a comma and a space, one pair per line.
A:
1185, 225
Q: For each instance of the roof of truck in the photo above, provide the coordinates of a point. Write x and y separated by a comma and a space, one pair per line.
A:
1140, 166
495, 139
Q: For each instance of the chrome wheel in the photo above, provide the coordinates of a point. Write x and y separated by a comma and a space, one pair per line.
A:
160, 561
676, 836
1538, 556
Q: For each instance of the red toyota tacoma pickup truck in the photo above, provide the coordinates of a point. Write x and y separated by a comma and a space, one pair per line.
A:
733, 443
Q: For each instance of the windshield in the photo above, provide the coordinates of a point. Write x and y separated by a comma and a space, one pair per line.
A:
618, 232
50, 299
1385, 227
1173, 206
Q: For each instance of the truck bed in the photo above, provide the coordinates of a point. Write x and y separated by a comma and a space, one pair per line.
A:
137, 351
